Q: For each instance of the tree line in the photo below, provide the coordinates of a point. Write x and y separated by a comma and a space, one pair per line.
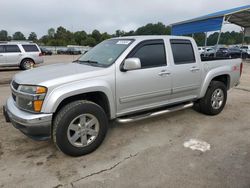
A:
62, 37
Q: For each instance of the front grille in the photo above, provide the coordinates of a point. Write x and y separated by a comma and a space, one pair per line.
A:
15, 85
14, 97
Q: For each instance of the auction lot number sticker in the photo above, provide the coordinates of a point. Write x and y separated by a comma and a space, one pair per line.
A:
125, 42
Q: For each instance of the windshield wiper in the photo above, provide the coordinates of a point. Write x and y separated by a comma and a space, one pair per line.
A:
87, 61
90, 62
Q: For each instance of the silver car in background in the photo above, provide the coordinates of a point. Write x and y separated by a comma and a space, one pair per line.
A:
23, 55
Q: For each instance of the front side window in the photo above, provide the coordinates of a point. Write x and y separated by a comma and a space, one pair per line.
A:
183, 52
12, 48
151, 54
30, 48
105, 53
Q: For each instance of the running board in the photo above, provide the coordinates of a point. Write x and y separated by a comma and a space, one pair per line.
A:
154, 114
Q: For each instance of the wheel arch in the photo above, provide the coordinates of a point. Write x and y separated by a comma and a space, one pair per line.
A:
97, 97
223, 77
26, 58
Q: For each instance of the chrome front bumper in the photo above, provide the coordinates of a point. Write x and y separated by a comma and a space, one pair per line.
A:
36, 126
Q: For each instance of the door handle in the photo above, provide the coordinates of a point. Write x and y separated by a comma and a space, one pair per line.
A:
1, 55
164, 72
194, 69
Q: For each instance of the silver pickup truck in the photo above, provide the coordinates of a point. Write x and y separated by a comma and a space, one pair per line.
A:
123, 79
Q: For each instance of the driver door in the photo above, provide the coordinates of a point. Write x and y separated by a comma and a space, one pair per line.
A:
148, 87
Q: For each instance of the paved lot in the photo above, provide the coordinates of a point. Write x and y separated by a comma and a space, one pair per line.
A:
148, 153
7, 73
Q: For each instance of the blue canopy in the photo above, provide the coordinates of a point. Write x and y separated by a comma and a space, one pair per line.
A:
198, 26
212, 22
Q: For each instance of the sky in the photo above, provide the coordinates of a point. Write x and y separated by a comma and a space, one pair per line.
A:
105, 15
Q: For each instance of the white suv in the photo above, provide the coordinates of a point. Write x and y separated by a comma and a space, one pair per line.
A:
24, 55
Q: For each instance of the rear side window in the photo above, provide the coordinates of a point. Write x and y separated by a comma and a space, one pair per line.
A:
12, 48
30, 48
151, 54
182, 51
1, 49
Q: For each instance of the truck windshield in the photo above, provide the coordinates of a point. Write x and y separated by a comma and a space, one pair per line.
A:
105, 53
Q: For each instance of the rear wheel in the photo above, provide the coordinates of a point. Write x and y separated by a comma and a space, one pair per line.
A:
79, 128
27, 64
214, 100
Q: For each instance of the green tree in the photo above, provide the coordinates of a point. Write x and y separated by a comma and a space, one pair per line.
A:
3, 35
79, 37
105, 36
51, 32
130, 33
90, 41
44, 40
64, 37
18, 36
32, 37
200, 39
96, 35
119, 33
153, 29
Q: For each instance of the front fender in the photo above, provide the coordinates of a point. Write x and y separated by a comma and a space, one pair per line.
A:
57, 95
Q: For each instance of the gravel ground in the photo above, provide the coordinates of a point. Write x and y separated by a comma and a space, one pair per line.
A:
148, 153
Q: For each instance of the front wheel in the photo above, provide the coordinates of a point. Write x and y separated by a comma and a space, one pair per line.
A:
214, 100
79, 128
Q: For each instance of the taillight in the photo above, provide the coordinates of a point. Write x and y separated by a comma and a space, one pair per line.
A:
40, 54
241, 67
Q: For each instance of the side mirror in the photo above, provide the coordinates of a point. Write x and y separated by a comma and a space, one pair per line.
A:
131, 64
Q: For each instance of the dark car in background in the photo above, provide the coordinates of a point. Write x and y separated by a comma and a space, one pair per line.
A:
73, 51
231, 53
45, 51
61, 51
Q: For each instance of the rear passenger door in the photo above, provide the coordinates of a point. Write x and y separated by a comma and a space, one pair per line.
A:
12, 54
186, 72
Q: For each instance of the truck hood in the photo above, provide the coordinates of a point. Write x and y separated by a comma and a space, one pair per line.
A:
57, 74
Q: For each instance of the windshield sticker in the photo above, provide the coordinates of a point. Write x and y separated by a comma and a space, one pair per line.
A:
125, 42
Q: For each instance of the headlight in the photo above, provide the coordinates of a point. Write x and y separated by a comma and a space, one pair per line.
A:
31, 97
32, 89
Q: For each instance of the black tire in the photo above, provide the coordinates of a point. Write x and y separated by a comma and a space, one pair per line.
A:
66, 115
204, 105
23, 64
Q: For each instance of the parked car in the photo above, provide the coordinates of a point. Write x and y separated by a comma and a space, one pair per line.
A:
246, 49
45, 51
208, 52
61, 51
73, 51
124, 79
201, 49
23, 55
231, 53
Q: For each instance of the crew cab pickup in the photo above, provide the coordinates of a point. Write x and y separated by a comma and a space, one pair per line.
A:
124, 79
